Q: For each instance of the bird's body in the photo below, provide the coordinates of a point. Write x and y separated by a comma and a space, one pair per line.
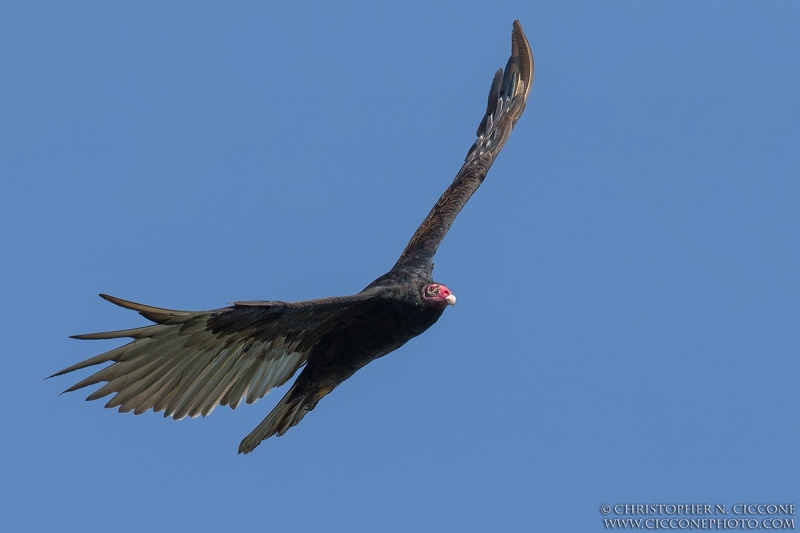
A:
187, 363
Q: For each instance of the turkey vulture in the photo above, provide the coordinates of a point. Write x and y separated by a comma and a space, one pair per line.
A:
188, 362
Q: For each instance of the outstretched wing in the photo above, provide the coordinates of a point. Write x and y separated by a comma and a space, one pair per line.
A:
507, 99
187, 363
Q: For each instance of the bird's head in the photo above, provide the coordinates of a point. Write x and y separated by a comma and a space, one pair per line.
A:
438, 296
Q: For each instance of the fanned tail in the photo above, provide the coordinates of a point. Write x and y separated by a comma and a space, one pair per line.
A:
289, 412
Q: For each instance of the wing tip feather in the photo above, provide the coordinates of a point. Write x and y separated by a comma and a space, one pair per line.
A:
521, 49
141, 308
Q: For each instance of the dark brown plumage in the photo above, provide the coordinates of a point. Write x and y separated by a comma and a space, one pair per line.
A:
187, 362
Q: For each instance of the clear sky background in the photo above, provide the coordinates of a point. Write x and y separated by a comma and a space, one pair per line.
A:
628, 276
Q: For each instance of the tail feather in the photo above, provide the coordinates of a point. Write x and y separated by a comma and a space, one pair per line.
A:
289, 412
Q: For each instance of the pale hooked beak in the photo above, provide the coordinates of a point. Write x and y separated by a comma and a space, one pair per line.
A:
451, 299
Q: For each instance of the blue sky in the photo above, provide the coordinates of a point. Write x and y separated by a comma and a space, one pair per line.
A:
627, 325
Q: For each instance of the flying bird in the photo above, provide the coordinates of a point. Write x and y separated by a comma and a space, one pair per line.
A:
189, 362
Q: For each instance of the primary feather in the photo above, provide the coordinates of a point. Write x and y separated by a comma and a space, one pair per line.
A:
187, 363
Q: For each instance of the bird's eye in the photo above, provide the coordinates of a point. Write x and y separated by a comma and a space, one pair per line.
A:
433, 289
